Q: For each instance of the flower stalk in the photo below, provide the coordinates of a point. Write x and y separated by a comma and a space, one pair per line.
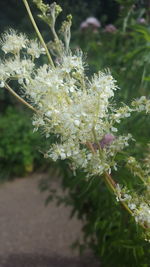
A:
38, 32
19, 98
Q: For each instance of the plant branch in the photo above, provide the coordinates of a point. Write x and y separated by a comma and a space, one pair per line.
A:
111, 183
20, 98
38, 32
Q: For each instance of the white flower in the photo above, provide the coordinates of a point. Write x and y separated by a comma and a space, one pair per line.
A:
141, 104
132, 206
71, 63
19, 68
35, 49
77, 122
113, 129
142, 214
13, 42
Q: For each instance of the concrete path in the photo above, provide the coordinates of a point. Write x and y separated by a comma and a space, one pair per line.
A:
32, 235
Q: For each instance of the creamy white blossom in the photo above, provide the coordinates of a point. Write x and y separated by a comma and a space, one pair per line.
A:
35, 49
139, 206
12, 41
141, 104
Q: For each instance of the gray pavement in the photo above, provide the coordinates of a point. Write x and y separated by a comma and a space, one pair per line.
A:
32, 235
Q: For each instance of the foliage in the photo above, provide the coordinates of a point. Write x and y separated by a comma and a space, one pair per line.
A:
18, 144
126, 54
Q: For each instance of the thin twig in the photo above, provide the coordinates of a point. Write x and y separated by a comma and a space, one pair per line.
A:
38, 32
20, 98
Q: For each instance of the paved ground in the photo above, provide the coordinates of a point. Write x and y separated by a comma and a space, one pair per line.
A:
32, 235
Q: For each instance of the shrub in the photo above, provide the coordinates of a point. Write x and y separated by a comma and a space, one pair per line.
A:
18, 144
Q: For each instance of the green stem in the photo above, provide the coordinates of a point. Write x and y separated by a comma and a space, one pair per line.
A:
144, 182
38, 32
111, 183
54, 33
97, 142
107, 178
19, 98
23, 101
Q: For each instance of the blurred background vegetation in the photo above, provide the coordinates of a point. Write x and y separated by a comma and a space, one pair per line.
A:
122, 44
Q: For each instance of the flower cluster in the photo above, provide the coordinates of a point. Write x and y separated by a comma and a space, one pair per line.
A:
110, 28
90, 22
79, 111
138, 205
